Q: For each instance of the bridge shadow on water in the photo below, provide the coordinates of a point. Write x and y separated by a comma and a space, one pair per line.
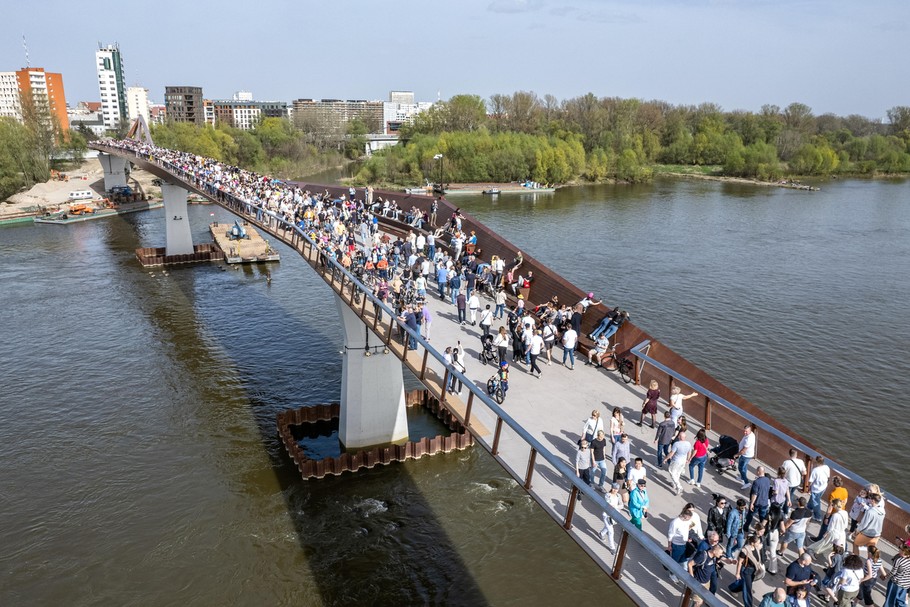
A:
369, 538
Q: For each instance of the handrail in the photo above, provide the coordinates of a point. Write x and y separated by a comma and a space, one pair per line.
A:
656, 550
638, 351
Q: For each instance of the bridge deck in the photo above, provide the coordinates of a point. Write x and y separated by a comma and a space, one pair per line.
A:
552, 410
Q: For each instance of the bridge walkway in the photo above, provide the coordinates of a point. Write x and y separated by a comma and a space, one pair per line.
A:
533, 434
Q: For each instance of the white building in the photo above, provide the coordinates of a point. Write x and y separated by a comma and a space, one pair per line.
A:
137, 103
243, 96
10, 106
395, 114
403, 97
109, 66
91, 120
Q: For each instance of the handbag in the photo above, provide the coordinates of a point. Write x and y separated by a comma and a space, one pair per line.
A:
759, 567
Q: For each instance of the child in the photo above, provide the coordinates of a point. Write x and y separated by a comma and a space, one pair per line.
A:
504, 376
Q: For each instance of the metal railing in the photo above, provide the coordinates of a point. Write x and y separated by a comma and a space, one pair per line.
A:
340, 277
641, 355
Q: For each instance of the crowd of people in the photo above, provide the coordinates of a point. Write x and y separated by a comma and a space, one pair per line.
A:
749, 534
753, 533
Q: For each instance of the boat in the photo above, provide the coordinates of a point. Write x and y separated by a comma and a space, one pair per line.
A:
492, 192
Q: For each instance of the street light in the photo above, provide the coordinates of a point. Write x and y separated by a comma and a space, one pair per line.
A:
438, 159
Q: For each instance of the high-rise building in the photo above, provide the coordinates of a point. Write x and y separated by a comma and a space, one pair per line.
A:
109, 65
243, 96
403, 97
10, 106
44, 92
184, 104
331, 116
137, 103
246, 115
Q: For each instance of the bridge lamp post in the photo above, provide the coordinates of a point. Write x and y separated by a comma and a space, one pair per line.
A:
438, 158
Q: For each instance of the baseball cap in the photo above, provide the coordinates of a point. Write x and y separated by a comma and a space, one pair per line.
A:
642, 482
617, 486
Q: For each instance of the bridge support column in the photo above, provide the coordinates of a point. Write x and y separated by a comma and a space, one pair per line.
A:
179, 238
373, 410
115, 170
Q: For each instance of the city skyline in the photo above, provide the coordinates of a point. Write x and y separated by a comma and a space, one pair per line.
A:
835, 58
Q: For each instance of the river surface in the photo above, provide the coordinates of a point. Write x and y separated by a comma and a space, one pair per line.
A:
140, 462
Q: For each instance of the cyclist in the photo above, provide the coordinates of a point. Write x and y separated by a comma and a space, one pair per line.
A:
504, 376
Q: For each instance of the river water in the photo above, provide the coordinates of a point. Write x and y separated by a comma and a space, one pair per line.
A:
141, 465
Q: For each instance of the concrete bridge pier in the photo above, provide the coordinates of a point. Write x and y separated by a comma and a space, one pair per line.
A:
115, 170
179, 238
373, 410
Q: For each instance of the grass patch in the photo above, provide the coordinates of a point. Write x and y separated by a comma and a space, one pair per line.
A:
688, 169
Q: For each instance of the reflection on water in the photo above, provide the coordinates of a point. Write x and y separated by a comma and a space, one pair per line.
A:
143, 466
797, 300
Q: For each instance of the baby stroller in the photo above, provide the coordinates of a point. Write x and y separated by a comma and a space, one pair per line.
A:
488, 354
725, 454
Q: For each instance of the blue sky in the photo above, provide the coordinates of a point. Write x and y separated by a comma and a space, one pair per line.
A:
840, 57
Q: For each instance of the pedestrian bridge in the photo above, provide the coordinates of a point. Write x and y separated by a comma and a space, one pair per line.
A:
533, 433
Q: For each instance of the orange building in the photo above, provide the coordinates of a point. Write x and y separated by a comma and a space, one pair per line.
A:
45, 89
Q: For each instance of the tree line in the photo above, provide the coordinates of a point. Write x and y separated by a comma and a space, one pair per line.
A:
521, 136
28, 148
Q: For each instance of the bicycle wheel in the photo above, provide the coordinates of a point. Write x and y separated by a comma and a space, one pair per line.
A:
499, 395
491, 387
626, 370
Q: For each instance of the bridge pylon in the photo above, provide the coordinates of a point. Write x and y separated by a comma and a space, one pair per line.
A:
179, 237
373, 410
116, 170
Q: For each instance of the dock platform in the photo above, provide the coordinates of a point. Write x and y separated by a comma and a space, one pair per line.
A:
252, 249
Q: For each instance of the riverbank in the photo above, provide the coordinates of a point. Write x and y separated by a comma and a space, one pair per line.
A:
53, 195
783, 183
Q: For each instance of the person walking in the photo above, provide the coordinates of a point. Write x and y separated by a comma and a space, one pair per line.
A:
795, 471
836, 534
677, 459
599, 447
649, 405
500, 300
569, 341
473, 306
639, 503
748, 567
592, 426
697, 457
535, 347
678, 538
869, 528
617, 425
501, 341
898, 580
614, 500
486, 320
746, 453
462, 303
818, 482
584, 460
550, 333
663, 438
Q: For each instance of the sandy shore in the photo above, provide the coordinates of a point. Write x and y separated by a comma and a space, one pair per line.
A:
52, 195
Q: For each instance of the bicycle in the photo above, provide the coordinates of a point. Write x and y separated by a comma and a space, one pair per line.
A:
625, 366
494, 389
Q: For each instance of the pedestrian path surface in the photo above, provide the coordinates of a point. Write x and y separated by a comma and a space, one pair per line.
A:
553, 408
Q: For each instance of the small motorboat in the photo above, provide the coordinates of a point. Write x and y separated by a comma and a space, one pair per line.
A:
492, 192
